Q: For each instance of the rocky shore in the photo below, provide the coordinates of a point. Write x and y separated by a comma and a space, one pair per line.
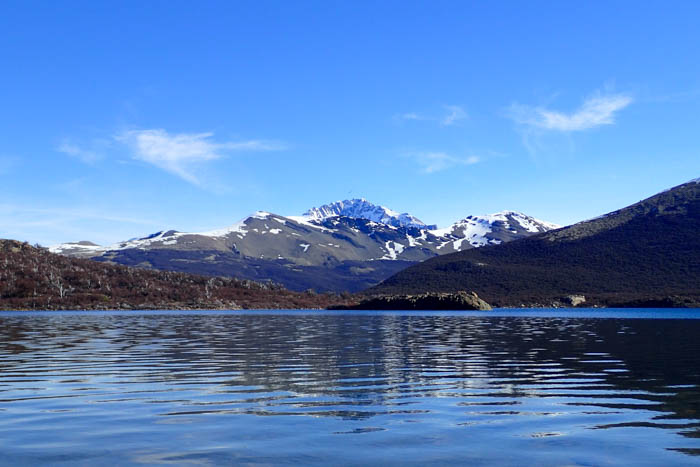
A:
427, 301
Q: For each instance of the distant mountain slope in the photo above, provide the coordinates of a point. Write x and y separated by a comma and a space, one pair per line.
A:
646, 253
348, 245
34, 278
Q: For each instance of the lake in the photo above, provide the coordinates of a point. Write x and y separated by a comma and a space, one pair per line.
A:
538, 387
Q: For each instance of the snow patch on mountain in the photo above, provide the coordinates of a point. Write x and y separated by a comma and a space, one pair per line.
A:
393, 250
79, 248
360, 208
239, 227
475, 230
307, 222
528, 223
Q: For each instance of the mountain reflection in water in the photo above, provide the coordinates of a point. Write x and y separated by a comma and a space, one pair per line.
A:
347, 388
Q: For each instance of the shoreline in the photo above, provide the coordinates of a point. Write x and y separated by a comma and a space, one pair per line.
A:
352, 310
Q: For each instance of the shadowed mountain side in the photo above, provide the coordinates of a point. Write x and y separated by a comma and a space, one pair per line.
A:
351, 276
645, 254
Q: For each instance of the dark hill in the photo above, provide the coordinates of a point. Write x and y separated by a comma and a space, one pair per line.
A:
647, 254
34, 278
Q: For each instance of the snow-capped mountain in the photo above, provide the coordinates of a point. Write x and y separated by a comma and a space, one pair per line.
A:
491, 229
363, 209
346, 245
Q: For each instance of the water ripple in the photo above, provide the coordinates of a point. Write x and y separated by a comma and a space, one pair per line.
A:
289, 388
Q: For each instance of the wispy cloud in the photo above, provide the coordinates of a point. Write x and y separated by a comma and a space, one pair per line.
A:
410, 116
55, 224
181, 153
70, 214
431, 162
595, 111
86, 155
455, 113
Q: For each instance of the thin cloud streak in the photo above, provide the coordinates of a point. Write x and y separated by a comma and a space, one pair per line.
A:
53, 225
455, 113
595, 111
73, 150
432, 162
68, 214
410, 116
180, 154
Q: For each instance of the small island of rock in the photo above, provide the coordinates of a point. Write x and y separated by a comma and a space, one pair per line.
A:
427, 301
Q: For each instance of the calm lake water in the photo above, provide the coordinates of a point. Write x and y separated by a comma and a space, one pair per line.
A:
349, 388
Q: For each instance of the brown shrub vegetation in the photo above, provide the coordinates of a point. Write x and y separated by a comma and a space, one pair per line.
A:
35, 279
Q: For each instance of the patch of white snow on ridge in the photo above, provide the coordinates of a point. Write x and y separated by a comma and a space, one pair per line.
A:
275, 231
60, 248
476, 242
393, 250
443, 232
142, 243
305, 246
444, 244
239, 228
474, 229
360, 208
529, 223
412, 241
305, 221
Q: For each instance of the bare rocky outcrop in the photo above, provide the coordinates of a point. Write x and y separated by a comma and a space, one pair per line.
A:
429, 301
574, 300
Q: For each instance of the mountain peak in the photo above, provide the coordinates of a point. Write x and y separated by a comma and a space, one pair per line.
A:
362, 209
528, 223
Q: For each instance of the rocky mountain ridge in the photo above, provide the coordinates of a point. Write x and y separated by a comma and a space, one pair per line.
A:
346, 245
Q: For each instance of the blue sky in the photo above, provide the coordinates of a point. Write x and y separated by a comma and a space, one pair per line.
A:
123, 118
